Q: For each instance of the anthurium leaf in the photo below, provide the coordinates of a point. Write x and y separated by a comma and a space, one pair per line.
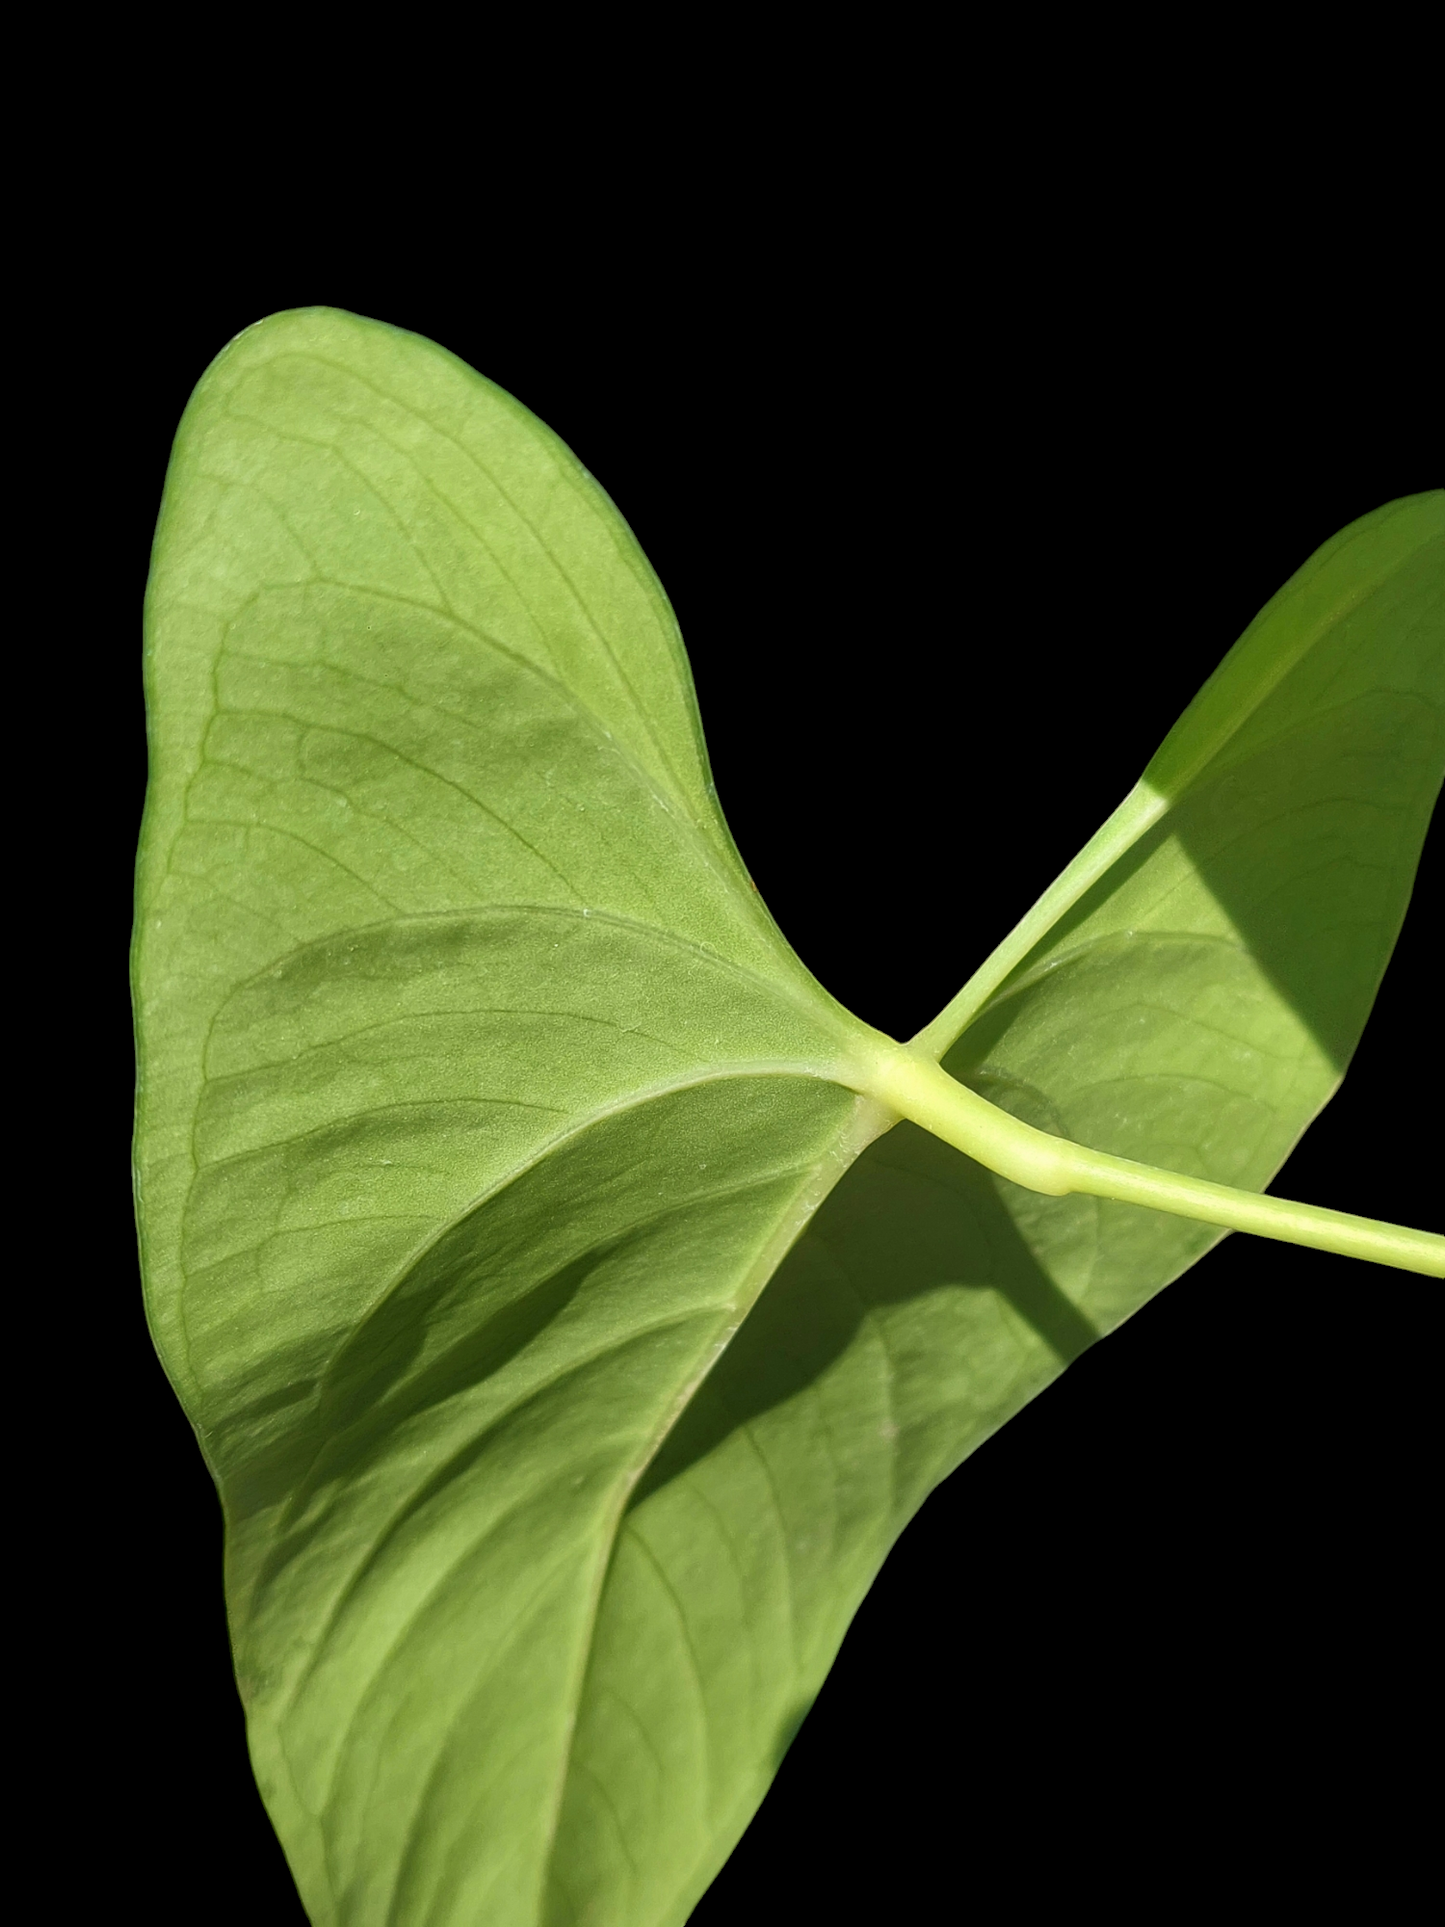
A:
569, 1340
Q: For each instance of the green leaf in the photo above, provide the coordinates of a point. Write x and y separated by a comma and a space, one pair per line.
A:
480, 1101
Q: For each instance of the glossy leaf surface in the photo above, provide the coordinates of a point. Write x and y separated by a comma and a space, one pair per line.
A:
566, 1370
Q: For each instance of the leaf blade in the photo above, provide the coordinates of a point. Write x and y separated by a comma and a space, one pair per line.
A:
473, 1685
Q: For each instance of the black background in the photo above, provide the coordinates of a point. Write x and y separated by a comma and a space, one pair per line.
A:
953, 539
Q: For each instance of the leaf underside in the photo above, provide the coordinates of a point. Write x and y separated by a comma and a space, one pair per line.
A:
480, 1099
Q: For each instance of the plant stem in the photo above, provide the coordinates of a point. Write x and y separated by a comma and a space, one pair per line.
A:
917, 1088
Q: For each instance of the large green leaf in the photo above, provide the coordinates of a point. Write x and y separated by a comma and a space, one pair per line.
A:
481, 1099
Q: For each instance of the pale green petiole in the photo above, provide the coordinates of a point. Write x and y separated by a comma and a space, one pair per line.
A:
917, 1088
